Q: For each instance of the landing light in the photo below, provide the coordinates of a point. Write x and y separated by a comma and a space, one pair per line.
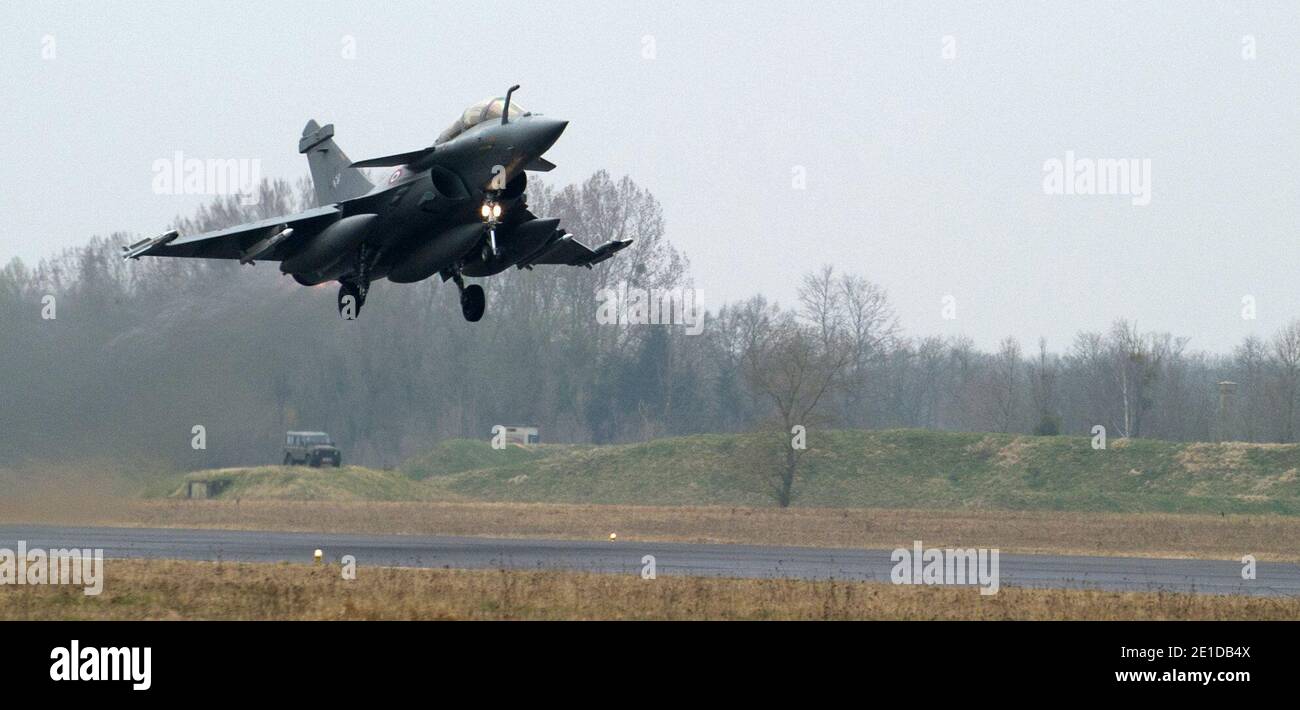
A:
486, 211
496, 210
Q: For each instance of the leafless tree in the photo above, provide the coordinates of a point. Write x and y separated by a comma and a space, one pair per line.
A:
851, 309
795, 368
1286, 357
1005, 384
1252, 392
1043, 374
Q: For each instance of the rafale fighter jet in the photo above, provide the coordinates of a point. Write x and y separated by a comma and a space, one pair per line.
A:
454, 209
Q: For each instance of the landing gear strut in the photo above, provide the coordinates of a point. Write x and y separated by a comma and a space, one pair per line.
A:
491, 212
472, 300
351, 298
352, 292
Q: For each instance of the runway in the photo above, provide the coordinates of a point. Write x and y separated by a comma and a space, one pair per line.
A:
625, 557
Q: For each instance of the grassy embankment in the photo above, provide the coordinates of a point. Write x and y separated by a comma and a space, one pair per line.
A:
843, 469
858, 489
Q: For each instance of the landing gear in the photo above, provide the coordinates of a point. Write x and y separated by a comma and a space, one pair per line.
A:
352, 292
491, 212
351, 298
473, 303
472, 300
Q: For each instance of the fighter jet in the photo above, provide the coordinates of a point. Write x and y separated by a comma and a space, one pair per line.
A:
455, 209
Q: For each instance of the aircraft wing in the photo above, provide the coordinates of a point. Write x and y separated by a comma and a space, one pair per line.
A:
268, 239
570, 252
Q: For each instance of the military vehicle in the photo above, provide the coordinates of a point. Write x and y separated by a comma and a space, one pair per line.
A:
313, 448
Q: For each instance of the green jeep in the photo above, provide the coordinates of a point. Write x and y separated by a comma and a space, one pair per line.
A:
313, 448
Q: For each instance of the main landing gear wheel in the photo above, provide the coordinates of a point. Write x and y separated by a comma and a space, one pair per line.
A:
473, 302
351, 298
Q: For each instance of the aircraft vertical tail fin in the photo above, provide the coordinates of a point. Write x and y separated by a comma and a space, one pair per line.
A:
331, 172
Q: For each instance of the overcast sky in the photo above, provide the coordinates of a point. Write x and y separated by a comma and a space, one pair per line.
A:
919, 132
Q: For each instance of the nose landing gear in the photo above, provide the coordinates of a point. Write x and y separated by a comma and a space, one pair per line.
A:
491, 212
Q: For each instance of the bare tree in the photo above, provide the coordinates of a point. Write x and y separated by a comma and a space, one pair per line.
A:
1043, 375
821, 303
1251, 363
965, 367
1137, 362
1286, 358
1005, 383
790, 364
931, 354
851, 309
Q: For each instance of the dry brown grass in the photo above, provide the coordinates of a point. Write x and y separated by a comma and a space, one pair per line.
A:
1146, 534
139, 590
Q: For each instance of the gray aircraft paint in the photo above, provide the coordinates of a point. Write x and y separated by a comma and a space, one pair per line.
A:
455, 208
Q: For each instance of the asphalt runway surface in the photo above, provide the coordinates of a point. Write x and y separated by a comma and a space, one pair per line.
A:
625, 557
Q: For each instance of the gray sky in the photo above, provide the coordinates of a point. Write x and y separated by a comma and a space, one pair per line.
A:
924, 173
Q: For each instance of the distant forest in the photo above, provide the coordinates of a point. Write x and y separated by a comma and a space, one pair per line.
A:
138, 353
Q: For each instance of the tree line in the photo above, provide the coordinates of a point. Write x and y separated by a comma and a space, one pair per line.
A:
113, 360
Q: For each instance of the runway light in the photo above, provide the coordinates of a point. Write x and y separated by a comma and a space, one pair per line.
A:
613, 537
318, 556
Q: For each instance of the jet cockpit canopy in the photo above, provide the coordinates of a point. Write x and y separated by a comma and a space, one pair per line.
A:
485, 110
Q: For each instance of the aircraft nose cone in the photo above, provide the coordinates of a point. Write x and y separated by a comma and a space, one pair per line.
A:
545, 131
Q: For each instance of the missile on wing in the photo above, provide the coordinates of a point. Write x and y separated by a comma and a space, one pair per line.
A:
142, 247
606, 250
265, 246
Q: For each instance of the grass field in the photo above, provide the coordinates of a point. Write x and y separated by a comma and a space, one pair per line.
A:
842, 469
138, 590
877, 489
1268, 537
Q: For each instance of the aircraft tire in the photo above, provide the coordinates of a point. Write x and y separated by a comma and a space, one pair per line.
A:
346, 289
473, 303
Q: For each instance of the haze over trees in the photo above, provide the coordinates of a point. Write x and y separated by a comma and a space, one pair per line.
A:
136, 354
